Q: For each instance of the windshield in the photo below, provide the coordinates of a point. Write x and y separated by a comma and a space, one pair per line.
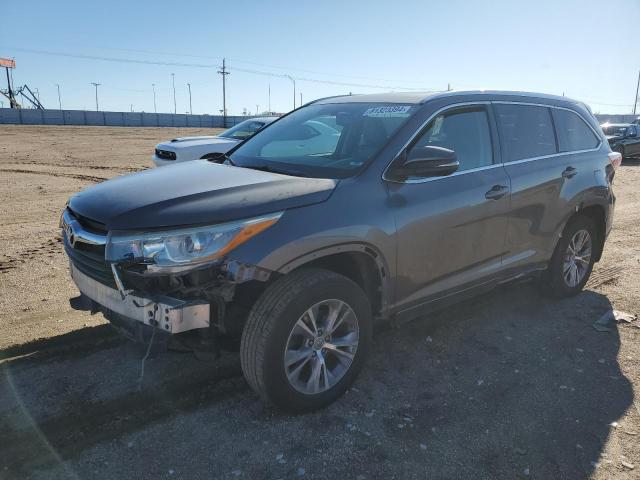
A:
617, 130
243, 130
329, 140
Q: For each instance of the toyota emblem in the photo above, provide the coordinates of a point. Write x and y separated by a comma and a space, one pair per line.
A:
71, 238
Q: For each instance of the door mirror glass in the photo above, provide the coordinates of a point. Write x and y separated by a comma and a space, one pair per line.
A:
430, 161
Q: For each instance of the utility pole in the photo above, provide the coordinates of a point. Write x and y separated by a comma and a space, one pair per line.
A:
269, 99
132, 108
448, 87
300, 98
173, 82
96, 85
257, 107
153, 85
37, 92
190, 109
11, 98
635, 105
59, 101
224, 74
294, 89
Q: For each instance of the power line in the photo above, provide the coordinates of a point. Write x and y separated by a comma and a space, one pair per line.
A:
248, 62
201, 65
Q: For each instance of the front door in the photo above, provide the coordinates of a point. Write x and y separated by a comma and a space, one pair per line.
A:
451, 230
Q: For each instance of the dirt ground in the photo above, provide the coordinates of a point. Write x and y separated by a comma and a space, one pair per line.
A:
510, 385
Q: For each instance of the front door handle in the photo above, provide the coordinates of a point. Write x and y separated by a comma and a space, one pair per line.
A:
496, 192
569, 172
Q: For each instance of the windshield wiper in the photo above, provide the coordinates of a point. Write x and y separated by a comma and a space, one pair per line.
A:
220, 157
269, 169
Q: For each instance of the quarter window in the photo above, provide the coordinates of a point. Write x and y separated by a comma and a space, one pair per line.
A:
466, 132
573, 133
526, 131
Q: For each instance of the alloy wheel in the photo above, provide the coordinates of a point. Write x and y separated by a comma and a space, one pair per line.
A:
321, 346
577, 258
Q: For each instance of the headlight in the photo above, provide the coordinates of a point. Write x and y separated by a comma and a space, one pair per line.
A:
185, 246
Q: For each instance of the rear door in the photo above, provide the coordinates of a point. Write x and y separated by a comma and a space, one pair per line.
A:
451, 230
545, 173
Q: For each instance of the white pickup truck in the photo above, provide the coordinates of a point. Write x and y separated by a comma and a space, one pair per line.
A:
183, 149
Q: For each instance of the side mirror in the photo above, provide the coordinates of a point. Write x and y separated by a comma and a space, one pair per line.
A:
631, 133
429, 161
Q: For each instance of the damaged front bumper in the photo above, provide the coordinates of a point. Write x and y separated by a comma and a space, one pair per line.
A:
166, 313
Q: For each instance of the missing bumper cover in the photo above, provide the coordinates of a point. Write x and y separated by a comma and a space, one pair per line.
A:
169, 314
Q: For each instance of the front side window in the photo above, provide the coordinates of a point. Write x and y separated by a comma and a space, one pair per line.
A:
323, 140
243, 130
526, 131
573, 133
466, 132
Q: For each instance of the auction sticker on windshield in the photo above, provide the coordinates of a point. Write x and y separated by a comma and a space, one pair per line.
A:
391, 111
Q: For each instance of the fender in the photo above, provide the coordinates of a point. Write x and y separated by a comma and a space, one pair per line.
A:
355, 247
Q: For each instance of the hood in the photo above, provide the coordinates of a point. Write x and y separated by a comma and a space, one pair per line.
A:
613, 138
186, 139
195, 193
187, 142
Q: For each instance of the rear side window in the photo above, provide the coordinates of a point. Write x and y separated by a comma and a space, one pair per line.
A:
466, 132
526, 131
573, 133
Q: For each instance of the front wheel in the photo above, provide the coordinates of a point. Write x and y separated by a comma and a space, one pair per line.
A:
306, 339
573, 259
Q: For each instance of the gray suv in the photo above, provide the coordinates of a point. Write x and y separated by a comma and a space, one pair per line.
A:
348, 211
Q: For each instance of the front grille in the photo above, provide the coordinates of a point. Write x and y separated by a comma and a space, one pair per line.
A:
90, 260
165, 154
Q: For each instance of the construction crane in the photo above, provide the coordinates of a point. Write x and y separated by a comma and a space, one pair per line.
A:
24, 91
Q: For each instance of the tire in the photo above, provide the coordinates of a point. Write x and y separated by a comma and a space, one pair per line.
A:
620, 150
273, 328
557, 280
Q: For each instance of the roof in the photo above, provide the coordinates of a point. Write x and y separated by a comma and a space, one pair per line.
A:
422, 97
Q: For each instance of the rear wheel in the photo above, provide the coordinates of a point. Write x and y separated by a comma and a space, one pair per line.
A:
573, 259
306, 339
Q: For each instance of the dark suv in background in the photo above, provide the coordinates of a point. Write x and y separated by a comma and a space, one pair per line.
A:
416, 201
623, 138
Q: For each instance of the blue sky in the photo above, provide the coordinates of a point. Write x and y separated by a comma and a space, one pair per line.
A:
584, 48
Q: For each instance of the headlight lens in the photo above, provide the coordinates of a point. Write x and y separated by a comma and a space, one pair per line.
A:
184, 246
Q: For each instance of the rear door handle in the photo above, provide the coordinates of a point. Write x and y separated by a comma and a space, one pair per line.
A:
569, 172
496, 192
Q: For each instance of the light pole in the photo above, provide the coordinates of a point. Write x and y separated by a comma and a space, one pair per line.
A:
59, 101
300, 98
173, 82
190, 109
257, 107
637, 89
96, 85
294, 89
153, 85
269, 99
132, 108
